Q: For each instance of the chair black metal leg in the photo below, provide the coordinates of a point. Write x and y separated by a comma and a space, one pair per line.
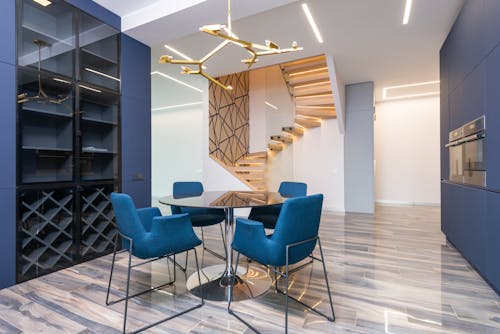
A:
326, 280
199, 276
286, 292
211, 251
112, 268
128, 288
275, 280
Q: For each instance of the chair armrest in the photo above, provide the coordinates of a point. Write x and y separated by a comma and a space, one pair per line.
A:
250, 238
146, 216
177, 229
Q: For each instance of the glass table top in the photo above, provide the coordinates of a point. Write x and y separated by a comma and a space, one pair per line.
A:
225, 199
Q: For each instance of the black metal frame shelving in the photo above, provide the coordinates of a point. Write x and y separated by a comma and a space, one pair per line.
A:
68, 154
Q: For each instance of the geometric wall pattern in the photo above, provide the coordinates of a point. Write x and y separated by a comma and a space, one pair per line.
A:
229, 118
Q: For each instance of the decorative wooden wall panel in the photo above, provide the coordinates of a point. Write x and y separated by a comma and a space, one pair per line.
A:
229, 118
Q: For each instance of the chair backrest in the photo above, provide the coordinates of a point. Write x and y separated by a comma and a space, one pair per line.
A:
298, 220
126, 215
292, 189
187, 189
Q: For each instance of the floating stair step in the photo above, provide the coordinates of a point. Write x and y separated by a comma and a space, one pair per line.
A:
293, 130
313, 100
283, 138
320, 112
323, 85
275, 146
297, 80
241, 169
308, 122
258, 155
306, 69
304, 61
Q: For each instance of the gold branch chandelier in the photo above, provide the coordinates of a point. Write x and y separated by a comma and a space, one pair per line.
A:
226, 33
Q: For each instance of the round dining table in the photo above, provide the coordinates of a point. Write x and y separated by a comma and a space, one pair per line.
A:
217, 280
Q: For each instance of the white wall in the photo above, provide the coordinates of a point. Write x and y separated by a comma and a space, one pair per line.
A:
407, 151
319, 162
176, 149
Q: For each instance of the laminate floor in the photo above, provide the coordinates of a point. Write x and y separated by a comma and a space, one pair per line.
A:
389, 273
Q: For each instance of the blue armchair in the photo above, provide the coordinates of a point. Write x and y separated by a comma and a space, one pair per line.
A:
293, 240
148, 235
268, 215
200, 217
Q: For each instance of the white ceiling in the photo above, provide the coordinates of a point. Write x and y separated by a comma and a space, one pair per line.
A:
366, 37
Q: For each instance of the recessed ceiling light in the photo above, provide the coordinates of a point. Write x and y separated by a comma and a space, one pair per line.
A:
312, 22
271, 105
178, 106
176, 80
404, 96
406, 16
44, 3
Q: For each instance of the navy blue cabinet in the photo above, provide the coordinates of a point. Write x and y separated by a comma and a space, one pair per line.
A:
470, 79
136, 120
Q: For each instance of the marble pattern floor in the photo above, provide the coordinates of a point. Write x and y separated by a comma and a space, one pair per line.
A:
389, 273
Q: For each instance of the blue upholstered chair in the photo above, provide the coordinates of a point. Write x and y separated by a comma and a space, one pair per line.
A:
200, 217
148, 235
268, 215
293, 240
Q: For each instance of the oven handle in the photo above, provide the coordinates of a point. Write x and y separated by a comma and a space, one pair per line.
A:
466, 139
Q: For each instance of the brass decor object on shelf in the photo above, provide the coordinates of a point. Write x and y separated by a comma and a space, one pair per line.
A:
41, 96
226, 33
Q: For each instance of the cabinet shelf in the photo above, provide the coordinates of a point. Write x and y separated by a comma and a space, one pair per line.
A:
42, 148
46, 112
98, 121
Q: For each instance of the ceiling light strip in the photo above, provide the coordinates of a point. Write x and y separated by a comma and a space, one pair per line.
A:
410, 96
406, 16
385, 89
176, 80
178, 106
310, 18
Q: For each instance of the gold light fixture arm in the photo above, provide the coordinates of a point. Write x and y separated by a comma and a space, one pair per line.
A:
229, 37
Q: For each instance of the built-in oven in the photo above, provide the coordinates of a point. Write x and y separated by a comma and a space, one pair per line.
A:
467, 153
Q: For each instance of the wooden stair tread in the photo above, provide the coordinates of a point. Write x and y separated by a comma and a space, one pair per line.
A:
262, 154
304, 61
293, 130
306, 70
321, 94
320, 75
308, 122
283, 138
275, 146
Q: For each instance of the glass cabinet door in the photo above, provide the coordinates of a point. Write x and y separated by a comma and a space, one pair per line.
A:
46, 37
99, 53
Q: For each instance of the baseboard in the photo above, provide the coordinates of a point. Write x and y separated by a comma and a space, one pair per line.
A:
335, 210
384, 202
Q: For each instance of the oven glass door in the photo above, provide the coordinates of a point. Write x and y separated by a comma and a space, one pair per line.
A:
456, 163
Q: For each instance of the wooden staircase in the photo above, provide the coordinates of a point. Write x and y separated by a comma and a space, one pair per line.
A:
309, 85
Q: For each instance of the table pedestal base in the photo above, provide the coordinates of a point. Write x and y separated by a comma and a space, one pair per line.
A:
250, 282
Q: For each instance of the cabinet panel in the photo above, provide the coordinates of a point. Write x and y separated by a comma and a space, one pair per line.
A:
7, 125
491, 24
492, 229
45, 232
7, 27
492, 108
463, 212
8, 238
444, 112
466, 41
